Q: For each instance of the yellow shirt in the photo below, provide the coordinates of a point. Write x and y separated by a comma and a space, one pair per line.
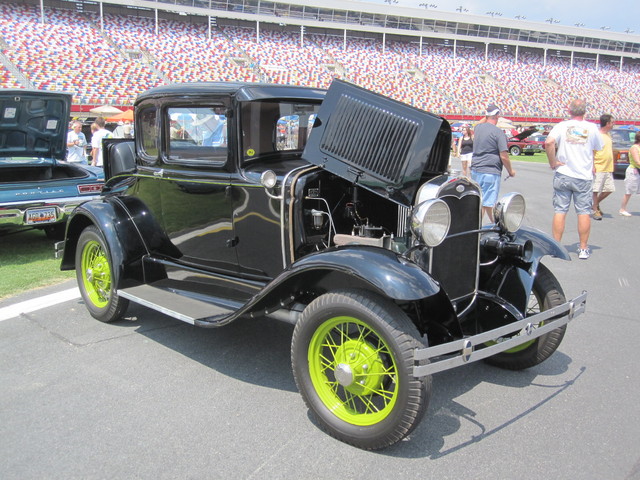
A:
631, 162
603, 159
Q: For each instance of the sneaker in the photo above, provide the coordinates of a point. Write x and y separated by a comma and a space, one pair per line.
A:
624, 213
584, 254
597, 215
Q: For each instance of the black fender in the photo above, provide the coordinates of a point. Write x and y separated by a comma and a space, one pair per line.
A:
387, 273
513, 280
352, 266
116, 227
129, 231
363, 267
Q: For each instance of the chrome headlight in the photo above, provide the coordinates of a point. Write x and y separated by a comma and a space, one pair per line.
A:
509, 212
430, 221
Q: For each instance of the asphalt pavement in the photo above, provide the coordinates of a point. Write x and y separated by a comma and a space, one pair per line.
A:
150, 397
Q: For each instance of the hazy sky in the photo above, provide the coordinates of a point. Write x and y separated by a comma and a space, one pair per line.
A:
619, 15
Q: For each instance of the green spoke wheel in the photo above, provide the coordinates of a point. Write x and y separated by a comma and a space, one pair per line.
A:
352, 357
546, 293
94, 272
353, 371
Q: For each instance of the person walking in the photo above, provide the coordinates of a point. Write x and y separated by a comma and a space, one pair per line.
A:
576, 140
465, 150
489, 156
97, 134
631, 176
76, 142
603, 185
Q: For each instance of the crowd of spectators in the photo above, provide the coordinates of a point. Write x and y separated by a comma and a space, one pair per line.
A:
113, 60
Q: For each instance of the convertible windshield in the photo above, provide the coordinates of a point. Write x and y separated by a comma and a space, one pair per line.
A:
274, 126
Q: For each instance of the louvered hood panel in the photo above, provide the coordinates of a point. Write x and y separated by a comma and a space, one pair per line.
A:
378, 143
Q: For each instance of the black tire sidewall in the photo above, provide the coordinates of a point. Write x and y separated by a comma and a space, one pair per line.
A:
542, 347
385, 432
116, 306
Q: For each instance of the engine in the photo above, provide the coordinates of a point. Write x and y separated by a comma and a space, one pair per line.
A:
336, 213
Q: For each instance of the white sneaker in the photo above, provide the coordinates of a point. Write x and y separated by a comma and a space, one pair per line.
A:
584, 254
624, 213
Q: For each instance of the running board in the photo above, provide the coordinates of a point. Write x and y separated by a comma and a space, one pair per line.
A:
175, 305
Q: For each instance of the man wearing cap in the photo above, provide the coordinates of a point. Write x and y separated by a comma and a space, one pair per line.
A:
570, 148
490, 154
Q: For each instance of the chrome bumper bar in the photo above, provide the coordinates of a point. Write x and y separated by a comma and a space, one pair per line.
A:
14, 213
463, 351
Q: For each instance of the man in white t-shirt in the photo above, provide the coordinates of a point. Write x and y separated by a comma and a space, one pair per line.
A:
98, 132
76, 142
575, 140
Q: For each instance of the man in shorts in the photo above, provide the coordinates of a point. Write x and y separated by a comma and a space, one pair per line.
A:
489, 155
603, 185
575, 140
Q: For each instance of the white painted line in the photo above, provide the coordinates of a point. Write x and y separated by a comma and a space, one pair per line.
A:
27, 306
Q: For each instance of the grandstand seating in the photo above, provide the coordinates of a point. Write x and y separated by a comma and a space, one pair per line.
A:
70, 52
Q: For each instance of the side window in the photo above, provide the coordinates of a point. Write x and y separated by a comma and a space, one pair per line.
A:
197, 134
148, 128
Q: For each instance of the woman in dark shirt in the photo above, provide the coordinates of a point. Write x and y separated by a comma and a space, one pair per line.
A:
465, 150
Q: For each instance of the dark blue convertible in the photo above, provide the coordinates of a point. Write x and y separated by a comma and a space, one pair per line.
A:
38, 189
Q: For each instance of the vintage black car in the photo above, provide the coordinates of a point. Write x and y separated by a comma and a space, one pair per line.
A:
333, 211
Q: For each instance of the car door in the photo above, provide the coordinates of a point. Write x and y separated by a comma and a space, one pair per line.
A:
186, 187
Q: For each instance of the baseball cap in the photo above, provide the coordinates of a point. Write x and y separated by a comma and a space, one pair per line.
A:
492, 109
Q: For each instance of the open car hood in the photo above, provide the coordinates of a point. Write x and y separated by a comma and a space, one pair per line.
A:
34, 123
378, 143
525, 134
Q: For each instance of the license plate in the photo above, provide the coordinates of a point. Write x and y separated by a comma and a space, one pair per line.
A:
36, 216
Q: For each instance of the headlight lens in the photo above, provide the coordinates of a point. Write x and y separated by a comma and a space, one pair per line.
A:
430, 221
509, 212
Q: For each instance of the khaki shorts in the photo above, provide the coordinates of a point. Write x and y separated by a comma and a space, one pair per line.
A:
603, 182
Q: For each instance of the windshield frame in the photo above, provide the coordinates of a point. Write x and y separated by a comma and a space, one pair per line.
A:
272, 128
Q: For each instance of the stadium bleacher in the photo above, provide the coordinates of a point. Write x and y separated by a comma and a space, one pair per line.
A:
69, 52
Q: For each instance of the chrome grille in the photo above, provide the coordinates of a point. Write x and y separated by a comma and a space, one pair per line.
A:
454, 263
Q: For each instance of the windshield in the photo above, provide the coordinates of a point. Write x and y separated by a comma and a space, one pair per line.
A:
270, 127
623, 136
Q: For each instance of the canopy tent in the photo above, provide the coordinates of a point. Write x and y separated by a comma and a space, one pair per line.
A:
505, 123
126, 115
105, 110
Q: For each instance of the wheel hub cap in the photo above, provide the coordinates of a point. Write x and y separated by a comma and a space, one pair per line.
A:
359, 369
344, 375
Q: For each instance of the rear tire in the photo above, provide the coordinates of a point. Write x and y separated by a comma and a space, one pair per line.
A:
352, 359
546, 293
94, 272
515, 150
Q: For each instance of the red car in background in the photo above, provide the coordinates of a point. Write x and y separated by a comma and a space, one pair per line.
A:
525, 142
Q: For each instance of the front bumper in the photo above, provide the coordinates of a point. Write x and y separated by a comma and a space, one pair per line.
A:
471, 349
41, 212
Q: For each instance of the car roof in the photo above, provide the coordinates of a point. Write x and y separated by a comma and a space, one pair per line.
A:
244, 91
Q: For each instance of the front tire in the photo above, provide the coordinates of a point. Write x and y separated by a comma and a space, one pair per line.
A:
352, 359
515, 150
94, 272
546, 293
